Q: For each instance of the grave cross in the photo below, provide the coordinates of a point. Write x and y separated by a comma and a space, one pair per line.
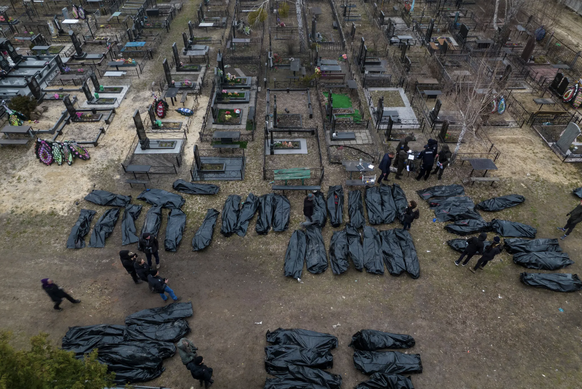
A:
141, 134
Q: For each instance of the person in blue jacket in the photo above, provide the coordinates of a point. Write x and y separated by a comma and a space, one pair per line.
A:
385, 166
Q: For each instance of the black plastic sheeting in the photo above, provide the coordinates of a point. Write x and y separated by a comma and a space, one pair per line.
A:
152, 223
338, 252
315, 254
389, 362
373, 251
558, 282
164, 332
247, 212
355, 247
319, 217
274, 211
131, 362
548, 260
103, 228
230, 213
386, 381
380, 205
455, 208
409, 253
372, 340
278, 358
203, 236
81, 340
301, 377
517, 245
399, 253
303, 338
161, 198
102, 197
128, 229
577, 192
468, 227
499, 203
281, 213
400, 201
441, 191
295, 255
461, 244
165, 314
174, 229
195, 189
356, 209
265, 217
81, 228
335, 205
513, 229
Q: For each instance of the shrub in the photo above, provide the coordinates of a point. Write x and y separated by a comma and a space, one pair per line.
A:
23, 104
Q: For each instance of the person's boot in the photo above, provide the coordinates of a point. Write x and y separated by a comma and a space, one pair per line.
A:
399, 176
201, 382
208, 384
138, 282
158, 266
76, 301
57, 308
564, 237
435, 172
457, 263
562, 229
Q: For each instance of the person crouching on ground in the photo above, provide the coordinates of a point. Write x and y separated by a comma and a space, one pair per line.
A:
474, 246
187, 350
201, 372
56, 294
489, 253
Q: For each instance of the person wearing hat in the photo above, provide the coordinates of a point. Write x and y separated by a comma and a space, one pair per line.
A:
128, 261
142, 269
489, 253
149, 244
201, 372
160, 285
575, 218
56, 294
474, 246
427, 157
308, 206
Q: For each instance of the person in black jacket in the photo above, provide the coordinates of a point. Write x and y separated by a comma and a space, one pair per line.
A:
474, 246
409, 215
400, 162
443, 160
142, 269
489, 253
56, 294
403, 144
149, 244
160, 285
575, 218
385, 166
427, 157
128, 261
200, 372
308, 206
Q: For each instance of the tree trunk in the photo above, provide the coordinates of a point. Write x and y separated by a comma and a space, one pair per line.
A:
495, 13
459, 141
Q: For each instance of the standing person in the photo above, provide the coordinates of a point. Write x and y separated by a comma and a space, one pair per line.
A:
427, 157
142, 269
150, 246
403, 144
400, 163
160, 285
489, 253
128, 261
308, 206
201, 372
474, 246
409, 215
56, 294
575, 218
187, 350
443, 160
385, 166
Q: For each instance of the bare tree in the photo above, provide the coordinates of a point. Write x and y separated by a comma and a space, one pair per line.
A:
495, 14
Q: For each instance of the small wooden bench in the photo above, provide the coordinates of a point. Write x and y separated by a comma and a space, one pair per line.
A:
139, 182
484, 179
292, 174
13, 142
296, 187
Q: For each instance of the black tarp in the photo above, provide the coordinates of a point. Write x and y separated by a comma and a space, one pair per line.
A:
128, 229
102, 197
388, 205
230, 213
81, 228
174, 229
279, 357
131, 362
548, 260
338, 252
558, 282
319, 217
164, 332
335, 205
103, 228
455, 208
409, 253
247, 212
441, 191
165, 314
295, 255
152, 223
499, 203
297, 376
372, 251
203, 236
392, 253
315, 254
281, 213
380, 204
389, 362
516, 245
400, 201
81, 340
265, 217
513, 229
577, 192
303, 338
372, 340
355, 247
161, 198
468, 227
461, 244
195, 188
386, 381
356, 209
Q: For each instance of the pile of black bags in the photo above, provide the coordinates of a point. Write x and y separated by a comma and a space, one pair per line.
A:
274, 212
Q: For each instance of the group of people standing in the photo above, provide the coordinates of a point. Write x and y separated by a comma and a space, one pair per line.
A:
193, 362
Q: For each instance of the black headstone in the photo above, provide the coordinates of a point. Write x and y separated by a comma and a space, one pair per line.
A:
34, 87
382, 18
505, 76
444, 129
353, 32
95, 82
361, 54
191, 30
434, 113
201, 12
554, 85
87, 91
152, 116
220, 62
563, 86
329, 106
70, 108
528, 50
129, 35
167, 72
463, 32
77, 45
388, 132
186, 41
6, 45
141, 134
197, 160
380, 111
275, 111
429, 30
313, 29
58, 25
176, 55
403, 48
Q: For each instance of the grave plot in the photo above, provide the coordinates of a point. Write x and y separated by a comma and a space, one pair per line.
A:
564, 140
288, 72
321, 25
291, 138
285, 36
185, 81
371, 65
392, 114
333, 70
243, 44
156, 18
213, 17
103, 96
210, 164
538, 110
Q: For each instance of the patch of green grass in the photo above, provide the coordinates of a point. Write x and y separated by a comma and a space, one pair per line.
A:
242, 143
339, 100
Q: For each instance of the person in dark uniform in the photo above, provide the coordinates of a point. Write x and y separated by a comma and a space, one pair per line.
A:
488, 254
128, 261
474, 246
443, 160
400, 162
142, 269
427, 157
385, 166
403, 144
56, 294
575, 218
308, 206
201, 372
150, 246
410, 215
160, 285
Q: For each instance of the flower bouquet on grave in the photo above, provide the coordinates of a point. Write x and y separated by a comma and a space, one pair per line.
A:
161, 108
69, 157
43, 152
57, 152
79, 151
